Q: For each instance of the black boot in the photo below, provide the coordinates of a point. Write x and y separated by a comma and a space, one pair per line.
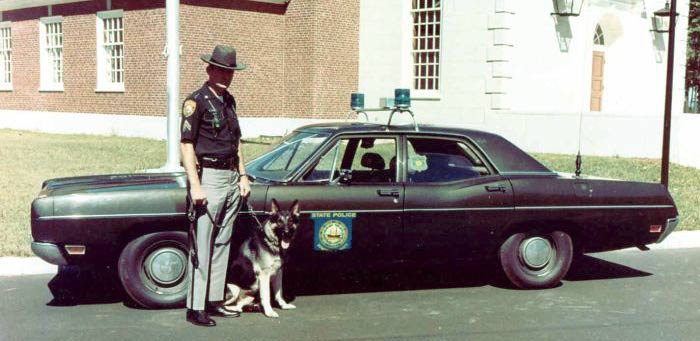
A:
220, 310
200, 318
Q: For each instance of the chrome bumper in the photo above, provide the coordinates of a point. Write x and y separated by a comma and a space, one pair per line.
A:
49, 252
670, 226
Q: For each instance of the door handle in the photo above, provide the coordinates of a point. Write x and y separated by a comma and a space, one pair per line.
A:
498, 188
388, 193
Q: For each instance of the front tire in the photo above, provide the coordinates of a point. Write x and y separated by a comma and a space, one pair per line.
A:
536, 260
153, 269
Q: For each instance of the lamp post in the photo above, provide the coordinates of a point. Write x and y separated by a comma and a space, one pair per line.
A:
661, 17
660, 21
567, 8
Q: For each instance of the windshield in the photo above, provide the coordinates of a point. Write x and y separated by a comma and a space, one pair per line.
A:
282, 159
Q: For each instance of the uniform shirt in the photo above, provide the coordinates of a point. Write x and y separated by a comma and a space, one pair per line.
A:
210, 125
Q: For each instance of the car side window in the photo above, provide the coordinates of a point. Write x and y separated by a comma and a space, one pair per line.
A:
441, 160
370, 160
327, 167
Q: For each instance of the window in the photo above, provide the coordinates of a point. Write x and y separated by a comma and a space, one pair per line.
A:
370, 160
278, 163
598, 37
441, 160
110, 51
426, 45
51, 45
5, 56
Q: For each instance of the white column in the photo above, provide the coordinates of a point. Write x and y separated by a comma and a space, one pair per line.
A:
172, 10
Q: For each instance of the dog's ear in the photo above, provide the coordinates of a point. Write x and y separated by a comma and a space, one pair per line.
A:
295, 209
274, 207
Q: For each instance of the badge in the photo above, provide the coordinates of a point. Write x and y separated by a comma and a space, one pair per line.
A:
333, 230
417, 163
188, 108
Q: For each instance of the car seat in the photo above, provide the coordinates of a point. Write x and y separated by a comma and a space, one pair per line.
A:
375, 162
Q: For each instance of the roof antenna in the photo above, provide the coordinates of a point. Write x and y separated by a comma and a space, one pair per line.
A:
579, 161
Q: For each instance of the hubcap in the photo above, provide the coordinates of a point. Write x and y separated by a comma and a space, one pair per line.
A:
536, 252
166, 266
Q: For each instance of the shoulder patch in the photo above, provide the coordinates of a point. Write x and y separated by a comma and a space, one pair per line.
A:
188, 108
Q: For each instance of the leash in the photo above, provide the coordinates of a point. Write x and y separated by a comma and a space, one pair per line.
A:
252, 213
251, 210
195, 211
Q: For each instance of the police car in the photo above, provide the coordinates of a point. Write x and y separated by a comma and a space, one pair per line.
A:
368, 193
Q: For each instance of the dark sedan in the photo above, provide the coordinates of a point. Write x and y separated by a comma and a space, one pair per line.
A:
369, 193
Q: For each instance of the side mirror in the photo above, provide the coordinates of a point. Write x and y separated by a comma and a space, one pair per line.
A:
345, 176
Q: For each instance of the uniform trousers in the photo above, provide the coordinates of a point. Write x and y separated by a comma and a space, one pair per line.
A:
208, 281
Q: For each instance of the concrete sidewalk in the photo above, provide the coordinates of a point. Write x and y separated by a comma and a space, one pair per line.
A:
18, 266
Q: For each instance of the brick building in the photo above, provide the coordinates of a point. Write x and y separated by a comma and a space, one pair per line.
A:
106, 57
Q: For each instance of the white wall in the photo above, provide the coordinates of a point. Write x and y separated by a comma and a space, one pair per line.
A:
685, 144
386, 61
548, 80
553, 74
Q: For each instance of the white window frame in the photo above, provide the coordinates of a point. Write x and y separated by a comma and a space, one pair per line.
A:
6, 86
426, 93
104, 75
48, 62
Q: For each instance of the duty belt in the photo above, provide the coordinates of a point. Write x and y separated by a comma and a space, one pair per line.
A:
218, 163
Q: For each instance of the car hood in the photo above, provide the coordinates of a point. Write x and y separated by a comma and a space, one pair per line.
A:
111, 182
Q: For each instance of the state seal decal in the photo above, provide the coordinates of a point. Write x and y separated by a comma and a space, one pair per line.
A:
188, 108
332, 230
333, 234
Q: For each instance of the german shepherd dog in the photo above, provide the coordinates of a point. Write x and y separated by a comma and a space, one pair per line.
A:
258, 265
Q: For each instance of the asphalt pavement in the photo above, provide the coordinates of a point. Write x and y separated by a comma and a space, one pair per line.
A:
630, 295
17, 266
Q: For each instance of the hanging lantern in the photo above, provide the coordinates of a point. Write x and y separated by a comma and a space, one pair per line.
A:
567, 8
662, 19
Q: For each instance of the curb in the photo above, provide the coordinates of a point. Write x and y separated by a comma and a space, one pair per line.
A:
21, 266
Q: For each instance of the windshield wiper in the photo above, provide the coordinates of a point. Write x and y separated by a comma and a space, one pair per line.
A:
255, 178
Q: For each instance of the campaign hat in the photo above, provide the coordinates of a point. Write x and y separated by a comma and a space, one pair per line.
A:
223, 56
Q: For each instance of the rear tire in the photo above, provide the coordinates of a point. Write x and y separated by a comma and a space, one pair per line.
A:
153, 270
536, 260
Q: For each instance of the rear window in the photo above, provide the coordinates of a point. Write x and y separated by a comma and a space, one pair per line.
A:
507, 157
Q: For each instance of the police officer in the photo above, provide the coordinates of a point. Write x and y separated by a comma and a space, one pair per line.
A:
213, 158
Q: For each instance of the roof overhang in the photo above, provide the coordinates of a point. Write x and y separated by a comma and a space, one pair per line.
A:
9, 5
279, 2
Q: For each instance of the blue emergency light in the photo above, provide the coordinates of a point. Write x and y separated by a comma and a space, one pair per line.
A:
402, 98
357, 101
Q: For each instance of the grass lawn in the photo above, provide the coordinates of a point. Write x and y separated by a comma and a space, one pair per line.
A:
30, 158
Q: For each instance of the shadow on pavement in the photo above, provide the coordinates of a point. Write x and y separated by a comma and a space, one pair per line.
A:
587, 268
450, 275
74, 285
78, 285
405, 276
